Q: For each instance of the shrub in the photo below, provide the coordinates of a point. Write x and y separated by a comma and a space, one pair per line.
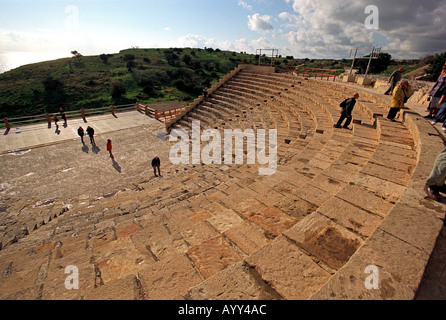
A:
128, 57
117, 89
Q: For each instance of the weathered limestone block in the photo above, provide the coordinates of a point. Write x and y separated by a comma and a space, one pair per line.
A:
321, 237
296, 276
213, 255
236, 282
352, 283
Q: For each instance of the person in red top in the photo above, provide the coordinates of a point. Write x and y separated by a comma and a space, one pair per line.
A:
109, 148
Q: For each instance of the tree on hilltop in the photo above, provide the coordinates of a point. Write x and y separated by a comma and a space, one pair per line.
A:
76, 54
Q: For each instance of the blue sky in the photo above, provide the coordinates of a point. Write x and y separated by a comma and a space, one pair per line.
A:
302, 28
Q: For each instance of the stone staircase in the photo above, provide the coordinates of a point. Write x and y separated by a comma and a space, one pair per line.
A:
223, 231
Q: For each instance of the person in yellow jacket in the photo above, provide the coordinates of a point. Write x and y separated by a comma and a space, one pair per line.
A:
399, 97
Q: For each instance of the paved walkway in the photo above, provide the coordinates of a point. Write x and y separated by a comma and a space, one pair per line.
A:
36, 135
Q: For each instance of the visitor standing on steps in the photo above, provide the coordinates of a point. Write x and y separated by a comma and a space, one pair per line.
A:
395, 77
347, 107
156, 163
399, 98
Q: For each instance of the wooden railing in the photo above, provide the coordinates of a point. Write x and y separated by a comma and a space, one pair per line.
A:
82, 113
168, 114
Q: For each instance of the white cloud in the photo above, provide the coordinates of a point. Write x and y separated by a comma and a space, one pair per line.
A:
195, 41
260, 23
330, 28
245, 5
238, 45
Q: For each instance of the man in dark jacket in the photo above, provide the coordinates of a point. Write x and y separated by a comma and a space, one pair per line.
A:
346, 113
80, 132
156, 164
90, 132
395, 77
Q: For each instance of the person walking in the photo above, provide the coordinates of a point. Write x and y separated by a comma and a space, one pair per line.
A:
347, 107
395, 77
90, 132
109, 148
156, 163
399, 97
80, 132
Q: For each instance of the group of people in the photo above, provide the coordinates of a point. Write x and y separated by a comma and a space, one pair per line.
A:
90, 132
437, 104
400, 89
400, 94
435, 183
156, 163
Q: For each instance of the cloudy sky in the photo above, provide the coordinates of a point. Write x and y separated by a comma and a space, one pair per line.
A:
301, 28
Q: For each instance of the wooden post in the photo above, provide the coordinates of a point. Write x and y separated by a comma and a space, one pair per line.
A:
137, 106
83, 115
112, 110
146, 110
8, 126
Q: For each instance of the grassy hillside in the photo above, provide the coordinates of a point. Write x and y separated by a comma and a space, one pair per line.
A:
143, 75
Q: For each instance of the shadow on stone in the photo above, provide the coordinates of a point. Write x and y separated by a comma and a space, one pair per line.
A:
116, 166
95, 149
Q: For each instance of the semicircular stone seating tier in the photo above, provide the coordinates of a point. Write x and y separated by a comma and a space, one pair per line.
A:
222, 231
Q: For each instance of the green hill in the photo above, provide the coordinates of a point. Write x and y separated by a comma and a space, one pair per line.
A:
133, 75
